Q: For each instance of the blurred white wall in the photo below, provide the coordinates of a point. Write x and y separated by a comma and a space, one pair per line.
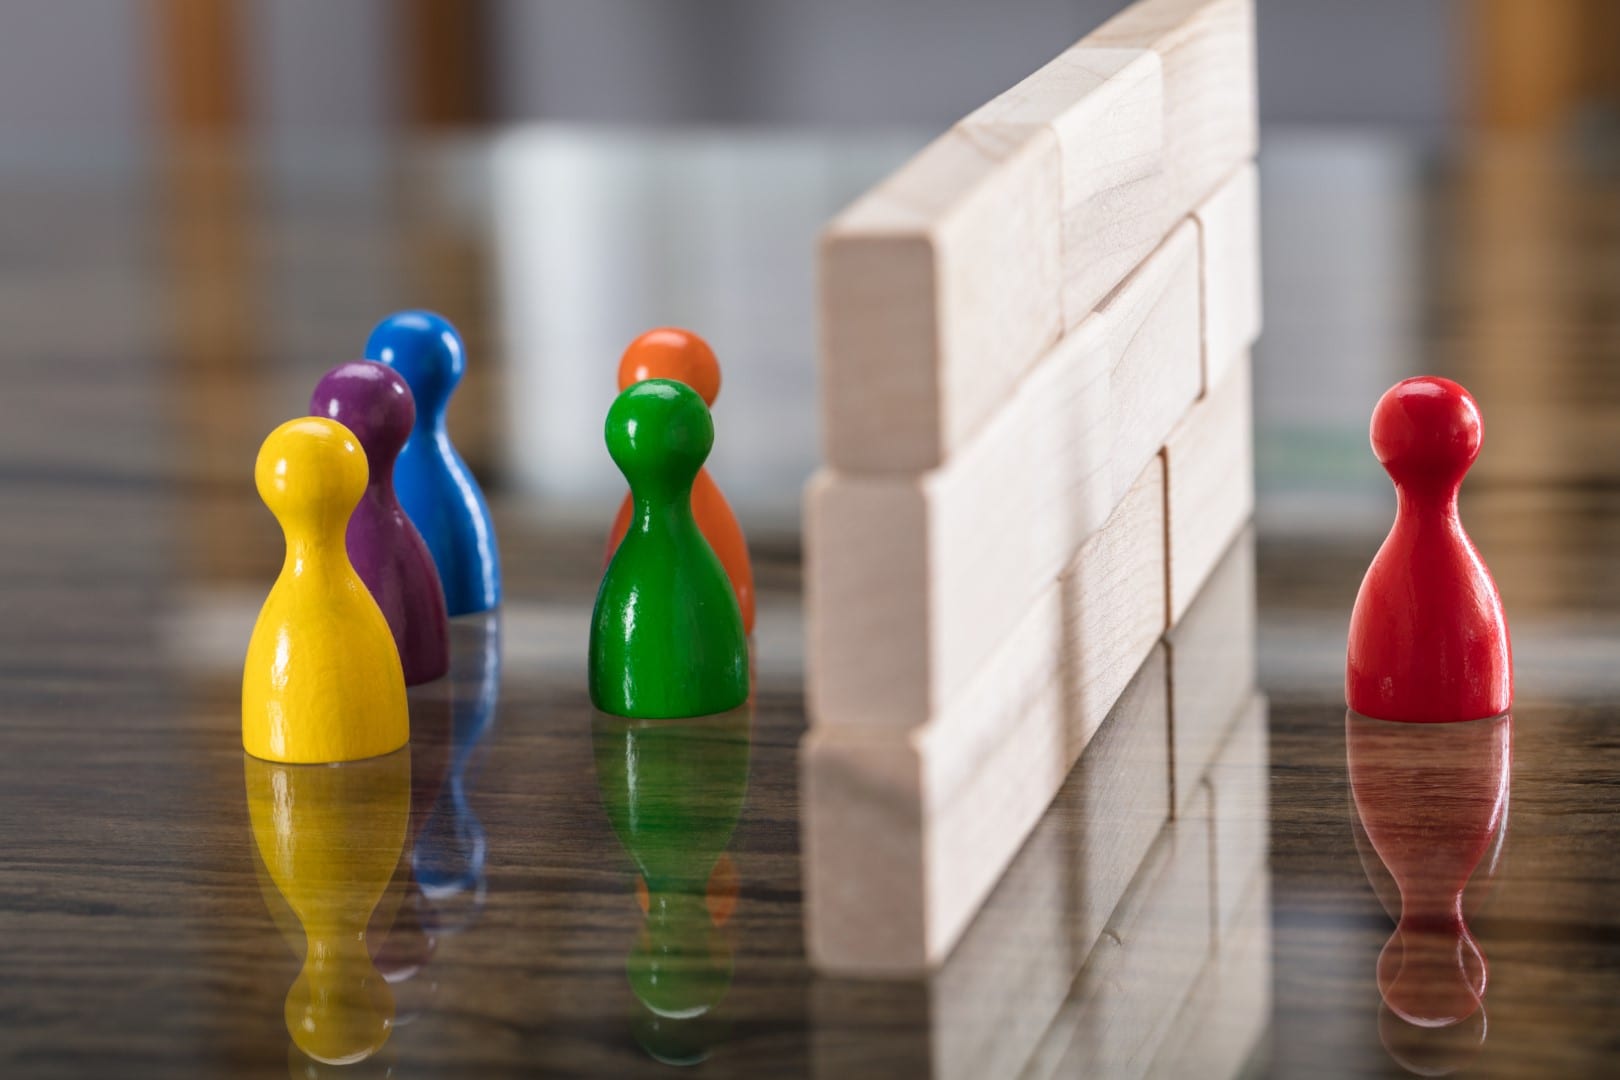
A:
599, 235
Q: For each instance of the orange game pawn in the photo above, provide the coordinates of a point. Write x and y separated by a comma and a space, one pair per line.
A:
672, 353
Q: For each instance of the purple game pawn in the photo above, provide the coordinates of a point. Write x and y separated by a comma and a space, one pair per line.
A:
374, 402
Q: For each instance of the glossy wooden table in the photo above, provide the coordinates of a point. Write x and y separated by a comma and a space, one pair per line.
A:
157, 322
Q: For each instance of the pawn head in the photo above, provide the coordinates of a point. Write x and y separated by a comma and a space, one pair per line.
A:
1426, 431
339, 1017
426, 350
373, 401
310, 473
682, 964
672, 353
1432, 976
659, 433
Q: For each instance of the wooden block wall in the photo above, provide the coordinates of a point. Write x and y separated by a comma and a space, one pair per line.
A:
916, 579
1035, 390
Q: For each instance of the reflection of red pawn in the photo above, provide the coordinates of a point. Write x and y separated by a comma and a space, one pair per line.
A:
1431, 800
1428, 640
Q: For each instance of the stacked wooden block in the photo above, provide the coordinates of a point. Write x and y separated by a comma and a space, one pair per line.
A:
1038, 444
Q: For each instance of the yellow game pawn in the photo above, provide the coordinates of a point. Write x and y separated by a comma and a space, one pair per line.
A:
331, 839
323, 681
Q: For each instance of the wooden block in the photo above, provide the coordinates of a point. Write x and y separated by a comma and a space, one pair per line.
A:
1240, 778
940, 288
1209, 481
904, 835
911, 583
1140, 972
1106, 109
987, 1008
1229, 1008
1229, 256
1212, 667
1211, 118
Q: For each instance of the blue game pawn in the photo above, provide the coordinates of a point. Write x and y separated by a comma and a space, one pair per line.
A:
434, 485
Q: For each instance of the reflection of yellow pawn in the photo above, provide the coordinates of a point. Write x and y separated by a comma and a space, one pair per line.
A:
330, 839
322, 681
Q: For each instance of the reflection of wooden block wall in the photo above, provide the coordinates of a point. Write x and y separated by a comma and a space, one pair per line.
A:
1035, 384
1122, 934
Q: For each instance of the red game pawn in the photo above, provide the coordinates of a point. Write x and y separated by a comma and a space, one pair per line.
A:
1428, 639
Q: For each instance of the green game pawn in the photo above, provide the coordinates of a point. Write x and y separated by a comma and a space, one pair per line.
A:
667, 636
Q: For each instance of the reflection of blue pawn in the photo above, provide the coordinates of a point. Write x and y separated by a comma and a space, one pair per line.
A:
449, 854
438, 493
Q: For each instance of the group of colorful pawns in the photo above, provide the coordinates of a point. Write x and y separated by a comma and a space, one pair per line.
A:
388, 537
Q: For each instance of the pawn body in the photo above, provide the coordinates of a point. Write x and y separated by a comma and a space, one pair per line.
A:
667, 638
373, 401
1428, 637
672, 353
434, 485
331, 839
322, 681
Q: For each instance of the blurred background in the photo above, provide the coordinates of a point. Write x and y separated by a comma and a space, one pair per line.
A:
237, 189
124, 73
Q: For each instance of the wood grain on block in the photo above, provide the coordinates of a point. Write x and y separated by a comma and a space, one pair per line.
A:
1106, 108
989, 1005
1240, 778
1229, 1007
1140, 972
1229, 243
952, 838
1209, 483
1212, 666
911, 583
1211, 119
940, 288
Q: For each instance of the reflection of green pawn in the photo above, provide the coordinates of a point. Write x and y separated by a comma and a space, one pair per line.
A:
667, 638
674, 792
